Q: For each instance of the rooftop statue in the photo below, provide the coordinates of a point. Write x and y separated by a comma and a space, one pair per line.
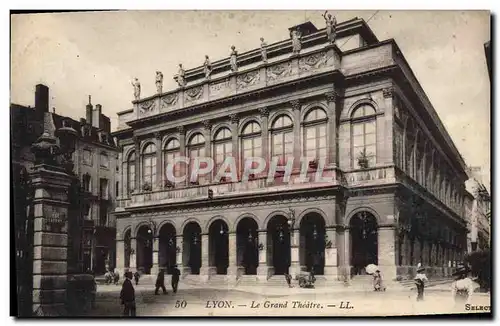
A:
263, 49
137, 88
159, 82
207, 67
181, 81
296, 41
331, 27
233, 59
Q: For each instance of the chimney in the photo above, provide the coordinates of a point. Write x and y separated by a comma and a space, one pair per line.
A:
41, 98
96, 116
88, 111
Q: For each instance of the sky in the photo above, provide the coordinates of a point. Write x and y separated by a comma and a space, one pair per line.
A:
81, 54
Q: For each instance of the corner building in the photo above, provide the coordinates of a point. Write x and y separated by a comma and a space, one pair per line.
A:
399, 204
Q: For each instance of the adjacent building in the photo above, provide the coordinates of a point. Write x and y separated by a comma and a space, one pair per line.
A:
395, 191
480, 212
95, 161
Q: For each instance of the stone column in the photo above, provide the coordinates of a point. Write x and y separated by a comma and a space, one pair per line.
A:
235, 143
386, 251
178, 257
50, 227
156, 245
331, 254
120, 256
296, 105
233, 266
208, 145
386, 128
264, 115
343, 251
294, 247
159, 162
262, 270
205, 262
138, 158
182, 147
133, 255
331, 100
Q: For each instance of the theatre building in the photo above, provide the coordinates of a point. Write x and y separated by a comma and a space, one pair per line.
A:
395, 191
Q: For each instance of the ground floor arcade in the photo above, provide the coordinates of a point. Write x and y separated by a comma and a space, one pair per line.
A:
274, 239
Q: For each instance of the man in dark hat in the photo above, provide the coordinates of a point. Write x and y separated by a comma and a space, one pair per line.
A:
463, 287
127, 296
160, 282
420, 280
136, 277
175, 278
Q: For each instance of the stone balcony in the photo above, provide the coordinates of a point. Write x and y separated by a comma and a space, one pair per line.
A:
258, 186
254, 187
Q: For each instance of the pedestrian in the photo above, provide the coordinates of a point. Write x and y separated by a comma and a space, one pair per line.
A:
288, 279
116, 277
136, 277
160, 282
377, 281
463, 287
420, 280
127, 296
175, 278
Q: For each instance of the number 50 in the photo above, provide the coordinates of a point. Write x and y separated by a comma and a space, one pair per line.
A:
180, 304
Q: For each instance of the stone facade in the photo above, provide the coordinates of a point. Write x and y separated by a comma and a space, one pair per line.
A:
398, 205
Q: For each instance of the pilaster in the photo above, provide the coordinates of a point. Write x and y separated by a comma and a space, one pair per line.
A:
262, 269
386, 251
159, 163
205, 266
133, 254
296, 106
138, 156
264, 115
156, 264
331, 100
233, 268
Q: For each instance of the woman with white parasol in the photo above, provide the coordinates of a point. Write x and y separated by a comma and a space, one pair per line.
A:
373, 269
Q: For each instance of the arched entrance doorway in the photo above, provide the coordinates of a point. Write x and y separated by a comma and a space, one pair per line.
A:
247, 243
278, 244
364, 241
218, 246
127, 248
144, 249
312, 243
191, 251
167, 254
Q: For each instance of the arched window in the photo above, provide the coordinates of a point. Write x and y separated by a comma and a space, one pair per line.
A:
223, 147
364, 130
196, 148
282, 139
171, 151
315, 147
251, 142
131, 172
149, 165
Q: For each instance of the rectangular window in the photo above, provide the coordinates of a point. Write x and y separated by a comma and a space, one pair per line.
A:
87, 157
104, 161
103, 188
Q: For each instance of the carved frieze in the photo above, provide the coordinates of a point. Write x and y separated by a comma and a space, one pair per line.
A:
313, 61
279, 71
219, 87
248, 79
193, 94
169, 100
147, 107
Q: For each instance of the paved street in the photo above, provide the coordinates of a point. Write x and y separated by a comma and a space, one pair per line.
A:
231, 302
